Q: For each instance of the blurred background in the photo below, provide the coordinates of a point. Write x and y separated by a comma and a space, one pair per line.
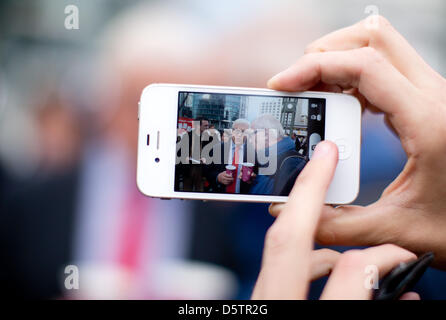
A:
68, 130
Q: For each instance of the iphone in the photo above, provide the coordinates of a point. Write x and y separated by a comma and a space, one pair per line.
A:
242, 144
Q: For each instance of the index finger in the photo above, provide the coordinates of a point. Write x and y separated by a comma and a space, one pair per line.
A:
365, 69
289, 241
382, 37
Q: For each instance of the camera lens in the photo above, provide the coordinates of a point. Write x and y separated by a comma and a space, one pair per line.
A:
157, 160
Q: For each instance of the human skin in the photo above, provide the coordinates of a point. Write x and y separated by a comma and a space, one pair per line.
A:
289, 262
379, 66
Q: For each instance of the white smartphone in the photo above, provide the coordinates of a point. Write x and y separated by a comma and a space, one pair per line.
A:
242, 144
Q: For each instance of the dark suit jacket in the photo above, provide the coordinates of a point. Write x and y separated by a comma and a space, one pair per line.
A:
36, 231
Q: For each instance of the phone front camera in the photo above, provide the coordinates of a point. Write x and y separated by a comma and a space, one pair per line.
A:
157, 160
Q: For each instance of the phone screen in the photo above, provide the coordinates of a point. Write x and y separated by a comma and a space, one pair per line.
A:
244, 144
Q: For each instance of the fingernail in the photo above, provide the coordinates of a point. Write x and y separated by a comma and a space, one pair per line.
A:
321, 151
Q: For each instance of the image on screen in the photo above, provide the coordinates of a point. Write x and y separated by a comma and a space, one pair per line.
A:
244, 144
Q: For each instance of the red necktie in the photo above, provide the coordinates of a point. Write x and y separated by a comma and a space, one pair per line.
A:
231, 188
134, 217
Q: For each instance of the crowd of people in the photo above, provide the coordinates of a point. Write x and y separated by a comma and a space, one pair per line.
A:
254, 157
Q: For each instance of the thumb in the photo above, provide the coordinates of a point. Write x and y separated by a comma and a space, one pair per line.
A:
355, 225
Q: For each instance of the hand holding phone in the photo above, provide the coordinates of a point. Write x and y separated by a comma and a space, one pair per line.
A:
289, 261
387, 74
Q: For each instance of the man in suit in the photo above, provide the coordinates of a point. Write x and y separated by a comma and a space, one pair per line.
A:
233, 152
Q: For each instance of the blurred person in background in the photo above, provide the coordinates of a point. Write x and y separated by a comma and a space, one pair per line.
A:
59, 134
96, 218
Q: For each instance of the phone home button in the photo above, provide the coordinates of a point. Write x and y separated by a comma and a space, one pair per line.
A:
344, 149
